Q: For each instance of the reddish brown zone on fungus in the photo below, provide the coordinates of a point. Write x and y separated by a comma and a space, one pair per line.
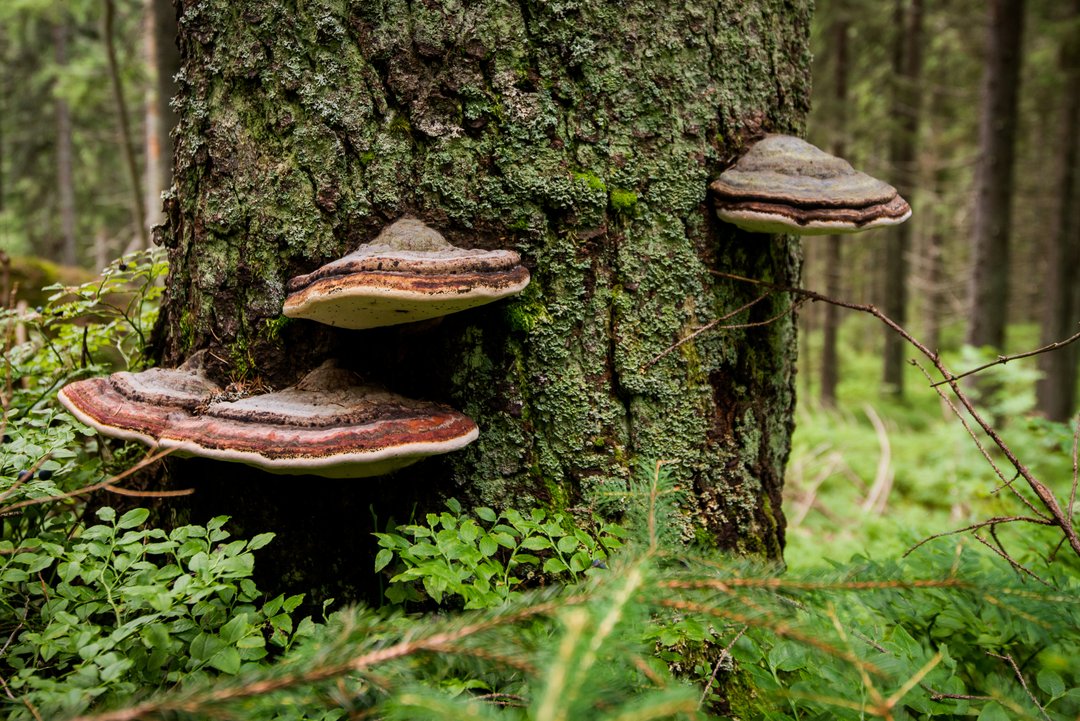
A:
804, 213
428, 284
146, 403
465, 266
428, 424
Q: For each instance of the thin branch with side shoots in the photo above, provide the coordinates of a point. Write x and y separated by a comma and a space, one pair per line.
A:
1045, 495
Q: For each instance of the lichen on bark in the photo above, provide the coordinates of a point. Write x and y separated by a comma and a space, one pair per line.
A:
582, 134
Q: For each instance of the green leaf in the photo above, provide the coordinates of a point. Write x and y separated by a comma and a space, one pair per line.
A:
383, 558
567, 544
259, 541
1050, 682
106, 514
488, 546
133, 518
485, 514
554, 565
993, 712
536, 543
227, 661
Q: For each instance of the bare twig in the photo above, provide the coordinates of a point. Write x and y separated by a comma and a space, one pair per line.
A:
975, 526
1017, 566
1044, 494
1020, 677
149, 459
148, 494
724, 655
1003, 359
1076, 468
704, 328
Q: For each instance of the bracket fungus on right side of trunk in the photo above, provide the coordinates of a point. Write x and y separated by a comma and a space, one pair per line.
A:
786, 185
408, 273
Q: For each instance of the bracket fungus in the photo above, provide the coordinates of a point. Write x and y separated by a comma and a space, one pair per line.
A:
140, 406
325, 425
786, 185
408, 273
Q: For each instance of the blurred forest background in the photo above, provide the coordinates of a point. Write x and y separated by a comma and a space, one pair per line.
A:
971, 108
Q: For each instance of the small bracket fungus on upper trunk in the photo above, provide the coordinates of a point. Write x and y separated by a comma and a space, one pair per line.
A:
408, 273
786, 185
326, 425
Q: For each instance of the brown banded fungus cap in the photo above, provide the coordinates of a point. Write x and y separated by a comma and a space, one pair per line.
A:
786, 185
326, 425
140, 406
408, 273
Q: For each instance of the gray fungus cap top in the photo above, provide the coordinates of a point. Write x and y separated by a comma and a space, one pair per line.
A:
786, 185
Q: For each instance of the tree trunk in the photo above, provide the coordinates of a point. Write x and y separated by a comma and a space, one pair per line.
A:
65, 175
163, 62
1056, 390
127, 144
988, 287
830, 361
907, 101
583, 135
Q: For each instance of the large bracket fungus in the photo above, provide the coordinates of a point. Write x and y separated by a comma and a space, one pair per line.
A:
325, 425
786, 185
408, 273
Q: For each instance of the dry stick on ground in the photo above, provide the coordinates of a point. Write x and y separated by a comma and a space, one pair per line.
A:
1060, 519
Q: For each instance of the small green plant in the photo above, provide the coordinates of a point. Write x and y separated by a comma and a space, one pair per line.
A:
486, 558
117, 608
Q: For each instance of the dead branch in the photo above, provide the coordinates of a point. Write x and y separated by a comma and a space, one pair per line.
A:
1003, 359
1020, 677
1044, 494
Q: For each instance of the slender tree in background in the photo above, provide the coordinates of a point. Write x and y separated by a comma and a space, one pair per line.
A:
65, 173
830, 362
138, 207
1056, 390
582, 135
162, 59
907, 102
989, 286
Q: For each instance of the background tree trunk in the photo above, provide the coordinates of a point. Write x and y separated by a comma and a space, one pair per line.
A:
65, 174
583, 135
1056, 390
989, 288
907, 101
163, 62
830, 324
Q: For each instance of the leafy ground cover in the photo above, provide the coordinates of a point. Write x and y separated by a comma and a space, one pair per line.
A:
525, 613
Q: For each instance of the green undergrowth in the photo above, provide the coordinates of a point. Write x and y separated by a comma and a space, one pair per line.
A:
877, 474
516, 614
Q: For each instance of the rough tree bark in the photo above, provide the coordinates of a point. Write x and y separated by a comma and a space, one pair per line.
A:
988, 289
582, 134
